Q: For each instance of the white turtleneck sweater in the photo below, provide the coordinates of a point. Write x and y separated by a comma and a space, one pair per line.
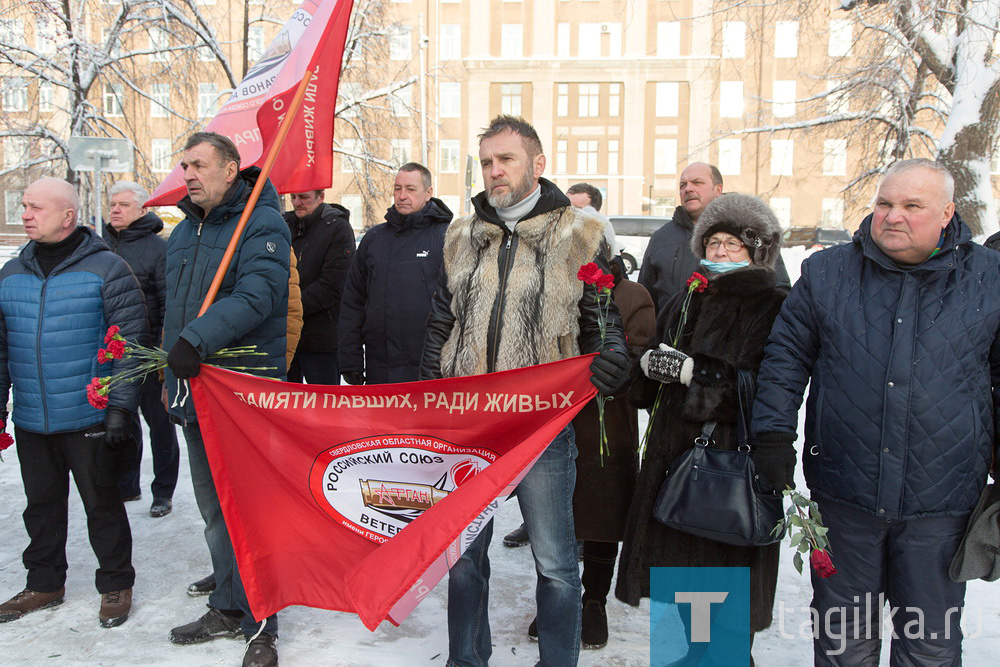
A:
512, 214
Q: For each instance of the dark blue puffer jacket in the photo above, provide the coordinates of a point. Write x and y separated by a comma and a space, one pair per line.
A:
901, 414
252, 305
51, 329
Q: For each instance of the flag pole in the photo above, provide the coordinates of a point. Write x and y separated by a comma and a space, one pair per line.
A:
265, 170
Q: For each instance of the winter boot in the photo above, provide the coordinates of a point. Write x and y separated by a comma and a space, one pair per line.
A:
115, 607
533, 630
261, 651
211, 626
202, 586
28, 601
517, 537
594, 631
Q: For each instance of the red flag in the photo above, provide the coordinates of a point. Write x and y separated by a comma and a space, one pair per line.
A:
359, 499
312, 39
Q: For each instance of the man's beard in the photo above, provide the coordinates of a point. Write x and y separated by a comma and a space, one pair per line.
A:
513, 195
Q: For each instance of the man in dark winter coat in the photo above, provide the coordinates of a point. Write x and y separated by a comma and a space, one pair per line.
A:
323, 242
508, 297
899, 333
250, 309
668, 261
133, 235
391, 283
57, 300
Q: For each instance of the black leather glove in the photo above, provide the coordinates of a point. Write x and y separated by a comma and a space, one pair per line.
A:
117, 427
184, 360
353, 377
610, 370
774, 456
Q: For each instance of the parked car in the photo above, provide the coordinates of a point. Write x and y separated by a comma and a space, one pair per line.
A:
633, 232
813, 237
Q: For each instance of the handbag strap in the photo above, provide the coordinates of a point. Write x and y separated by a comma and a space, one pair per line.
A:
746, 388
705, 439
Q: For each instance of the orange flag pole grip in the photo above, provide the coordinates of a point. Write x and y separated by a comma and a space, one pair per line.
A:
265, 170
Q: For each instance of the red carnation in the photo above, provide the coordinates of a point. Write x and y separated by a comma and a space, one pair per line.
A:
698, 281
104, 355
589, 273
821, 562
97, 392
117, 348
112, 332
606, 281
5, 441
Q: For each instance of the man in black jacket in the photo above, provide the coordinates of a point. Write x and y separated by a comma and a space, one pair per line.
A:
391, 282
668, 261
133, 235
508, 297
323, 242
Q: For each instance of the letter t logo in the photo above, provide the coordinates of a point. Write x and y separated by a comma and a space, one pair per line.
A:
701, 604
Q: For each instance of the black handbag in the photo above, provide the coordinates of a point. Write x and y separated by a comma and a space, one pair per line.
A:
717, 494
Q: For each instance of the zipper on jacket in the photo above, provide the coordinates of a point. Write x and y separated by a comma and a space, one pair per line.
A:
38, 350
494, 330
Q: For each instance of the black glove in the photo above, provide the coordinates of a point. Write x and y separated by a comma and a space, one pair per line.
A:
354, 377
117, 427
610, 370
184, 360
774, 457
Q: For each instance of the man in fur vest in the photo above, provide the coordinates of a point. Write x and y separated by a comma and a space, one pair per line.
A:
508, 297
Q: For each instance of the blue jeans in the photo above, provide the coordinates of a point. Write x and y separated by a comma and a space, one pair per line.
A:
545, 496
229, 594
315, 368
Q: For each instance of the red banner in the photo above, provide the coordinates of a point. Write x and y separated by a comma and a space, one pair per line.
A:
359, 499
312, 39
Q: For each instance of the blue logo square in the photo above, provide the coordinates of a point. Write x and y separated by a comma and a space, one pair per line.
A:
702, 613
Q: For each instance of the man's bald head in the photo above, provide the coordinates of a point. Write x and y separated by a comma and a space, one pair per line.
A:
50, 210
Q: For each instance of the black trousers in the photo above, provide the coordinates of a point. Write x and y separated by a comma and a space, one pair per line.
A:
163, 443
46, 462
904, 563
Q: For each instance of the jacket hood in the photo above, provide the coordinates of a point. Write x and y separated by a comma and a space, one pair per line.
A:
235, 198
682, 218
551, 199
434, 212
747, 218
144, 226
324, 211
957, 233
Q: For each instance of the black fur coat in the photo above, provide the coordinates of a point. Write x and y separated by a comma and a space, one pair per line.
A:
726, 329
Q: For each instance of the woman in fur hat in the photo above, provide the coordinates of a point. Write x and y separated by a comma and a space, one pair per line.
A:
726, 328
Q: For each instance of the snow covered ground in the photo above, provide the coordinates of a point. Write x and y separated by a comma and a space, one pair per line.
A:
170, 553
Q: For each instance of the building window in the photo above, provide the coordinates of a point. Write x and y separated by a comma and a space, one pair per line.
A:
208, 93
562, 40
786, 39
510, 99
399, 42
561, 150
347, 97
353, 204
511, 40
562, 99
12, 207
589, 100
255, 43
665, 156
400, 152
205, 53
160, 102
15, 152
784, 99
667, 99
730, 156
350, 157
113, 99
835, 157
15, 94
668, 39
782, 152
12, 33
160, 155
400, 102
734, 35
46, 97
453, 202
46, 33
589, 44
615, 99
613, 150
448, 151
840, 38
837, 101
731, 99
832, 216
159, 43
451, 41
451, 99
586, 156
782, 207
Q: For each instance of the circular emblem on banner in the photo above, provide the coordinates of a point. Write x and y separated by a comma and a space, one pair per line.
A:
376, 486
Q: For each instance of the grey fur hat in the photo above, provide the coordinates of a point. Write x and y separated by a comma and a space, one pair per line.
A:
747, 218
